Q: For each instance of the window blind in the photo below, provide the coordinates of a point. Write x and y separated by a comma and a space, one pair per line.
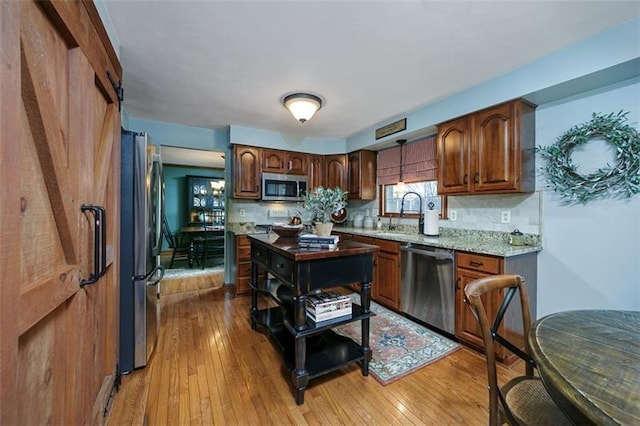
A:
419, 162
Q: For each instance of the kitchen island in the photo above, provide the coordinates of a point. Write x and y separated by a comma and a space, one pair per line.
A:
310, 350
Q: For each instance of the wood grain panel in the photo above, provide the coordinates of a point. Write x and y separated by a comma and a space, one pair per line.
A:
10, 206
49, 140
102, 159
59, 343
39, 298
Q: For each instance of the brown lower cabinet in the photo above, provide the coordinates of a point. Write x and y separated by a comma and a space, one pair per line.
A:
471, 266
243, 266
385, 288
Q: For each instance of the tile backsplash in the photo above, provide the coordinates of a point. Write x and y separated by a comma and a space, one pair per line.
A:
473, 212
484, 212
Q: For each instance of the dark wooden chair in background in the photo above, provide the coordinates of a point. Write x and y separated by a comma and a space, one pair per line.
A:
211, 244
523, 400
178, 243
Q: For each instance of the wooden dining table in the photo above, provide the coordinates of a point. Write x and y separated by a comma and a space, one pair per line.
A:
199, 236
589, 361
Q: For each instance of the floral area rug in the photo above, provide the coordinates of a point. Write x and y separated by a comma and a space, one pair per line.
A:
399, 346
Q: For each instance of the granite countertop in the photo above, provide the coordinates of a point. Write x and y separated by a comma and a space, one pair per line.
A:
244, 228
482, 242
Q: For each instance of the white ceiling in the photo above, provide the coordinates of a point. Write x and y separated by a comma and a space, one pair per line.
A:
215, 63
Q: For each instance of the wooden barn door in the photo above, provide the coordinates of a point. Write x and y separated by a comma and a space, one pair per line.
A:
59, 151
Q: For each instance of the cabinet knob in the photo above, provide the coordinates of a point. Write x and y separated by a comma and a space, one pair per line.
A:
465, 179
476, 178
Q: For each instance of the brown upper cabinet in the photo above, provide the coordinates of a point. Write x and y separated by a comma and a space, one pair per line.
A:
354, 172
362, 175
489, 151
335, 171
316, 171
246, 172
287, 162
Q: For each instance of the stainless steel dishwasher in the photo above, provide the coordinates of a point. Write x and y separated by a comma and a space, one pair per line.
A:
428, 285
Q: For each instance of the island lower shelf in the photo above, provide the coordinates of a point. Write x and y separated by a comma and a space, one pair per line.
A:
325, 349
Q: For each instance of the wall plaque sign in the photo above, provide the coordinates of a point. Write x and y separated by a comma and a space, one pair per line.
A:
389, 129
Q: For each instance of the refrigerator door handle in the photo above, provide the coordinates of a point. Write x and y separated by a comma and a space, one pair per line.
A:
160, 208
100, 244
158, 269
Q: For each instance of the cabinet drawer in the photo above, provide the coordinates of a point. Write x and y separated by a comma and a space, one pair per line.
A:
244, 253
243, 241
281, 267
343, 235
365, 240
388, 246
260, 255
479, 262
244, 269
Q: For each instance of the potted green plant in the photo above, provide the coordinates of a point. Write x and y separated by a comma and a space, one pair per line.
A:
323, 202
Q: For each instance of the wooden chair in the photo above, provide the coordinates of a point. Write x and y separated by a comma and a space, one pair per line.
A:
212, 243
523, 400
211, 246
178, 243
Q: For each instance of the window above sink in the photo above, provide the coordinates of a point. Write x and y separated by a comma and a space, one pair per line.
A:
391, 199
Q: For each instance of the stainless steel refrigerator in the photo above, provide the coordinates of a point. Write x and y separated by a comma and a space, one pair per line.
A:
142, 208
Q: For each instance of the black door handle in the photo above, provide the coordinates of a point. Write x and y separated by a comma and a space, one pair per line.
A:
100, 244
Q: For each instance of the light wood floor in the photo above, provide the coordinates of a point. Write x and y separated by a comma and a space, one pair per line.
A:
211, 368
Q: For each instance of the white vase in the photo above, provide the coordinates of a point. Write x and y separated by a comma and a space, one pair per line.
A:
324, 229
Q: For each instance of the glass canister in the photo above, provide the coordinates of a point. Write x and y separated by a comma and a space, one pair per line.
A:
516, 238
358, 220
368, 222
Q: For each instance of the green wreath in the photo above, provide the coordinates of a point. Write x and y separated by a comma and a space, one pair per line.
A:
619, 181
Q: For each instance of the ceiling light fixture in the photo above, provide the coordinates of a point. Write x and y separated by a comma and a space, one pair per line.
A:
302, 105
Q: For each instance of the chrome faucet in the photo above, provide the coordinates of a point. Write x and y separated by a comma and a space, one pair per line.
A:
420, 213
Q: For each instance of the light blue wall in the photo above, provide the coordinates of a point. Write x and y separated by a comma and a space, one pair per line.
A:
264, 138
183, 136
599, 61
591, 256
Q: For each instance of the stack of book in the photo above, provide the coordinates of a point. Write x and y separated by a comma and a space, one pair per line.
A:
311, 241
328, 306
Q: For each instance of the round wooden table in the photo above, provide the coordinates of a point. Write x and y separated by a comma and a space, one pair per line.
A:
589, 362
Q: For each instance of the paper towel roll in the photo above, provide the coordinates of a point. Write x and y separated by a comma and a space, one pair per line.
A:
431, 223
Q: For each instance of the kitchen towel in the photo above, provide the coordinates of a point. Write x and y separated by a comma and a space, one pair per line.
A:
431, 223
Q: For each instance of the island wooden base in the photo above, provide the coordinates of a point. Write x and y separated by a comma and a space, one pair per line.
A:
308, 349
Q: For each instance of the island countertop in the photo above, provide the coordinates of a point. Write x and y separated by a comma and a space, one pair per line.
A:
288, 248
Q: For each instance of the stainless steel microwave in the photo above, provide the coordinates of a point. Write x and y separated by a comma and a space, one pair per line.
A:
277, 187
